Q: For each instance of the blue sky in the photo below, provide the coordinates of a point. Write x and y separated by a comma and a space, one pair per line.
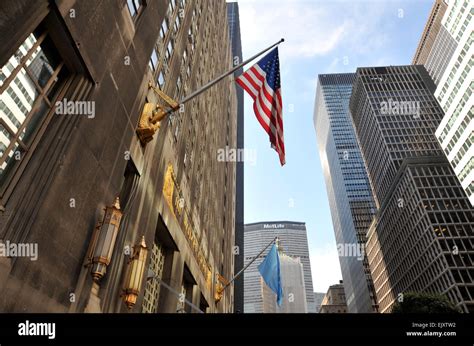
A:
321, 37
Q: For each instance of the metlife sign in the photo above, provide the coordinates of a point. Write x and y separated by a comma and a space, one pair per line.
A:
273, 225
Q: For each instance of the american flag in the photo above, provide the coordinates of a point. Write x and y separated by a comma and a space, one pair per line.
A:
262, 82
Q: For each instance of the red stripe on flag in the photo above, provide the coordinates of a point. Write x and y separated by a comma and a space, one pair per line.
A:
275, 118
267, 106
264, 124
250, 79
242, 84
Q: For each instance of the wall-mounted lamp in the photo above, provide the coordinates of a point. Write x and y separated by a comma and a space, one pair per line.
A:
104, 240
135, 274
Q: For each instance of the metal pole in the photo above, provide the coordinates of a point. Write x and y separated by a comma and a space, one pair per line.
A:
218, 79
178, 294
248, 264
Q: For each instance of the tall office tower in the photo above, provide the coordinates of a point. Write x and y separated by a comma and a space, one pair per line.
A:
75, 83
450, 64
421, 238
334, 301
454, 93
234, 30
294, 242
348, 188
435, 38
294, 292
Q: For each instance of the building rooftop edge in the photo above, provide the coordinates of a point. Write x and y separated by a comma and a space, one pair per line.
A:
271, 222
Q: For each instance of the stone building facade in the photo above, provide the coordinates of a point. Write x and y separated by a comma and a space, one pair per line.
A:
334, 301
59, 171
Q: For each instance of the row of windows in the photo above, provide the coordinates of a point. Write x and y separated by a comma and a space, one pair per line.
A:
13, 118
452, 11
457, 112
379, 87
16, 99
166, 42
135, 7
436, 64
458, 84
470, 189
31, 78
426, 181
459, 15
465, 24
468, 168
458, 132
457, 64
463, 149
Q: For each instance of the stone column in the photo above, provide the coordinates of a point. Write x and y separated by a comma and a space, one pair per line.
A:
93, 305
172, 276
196, 300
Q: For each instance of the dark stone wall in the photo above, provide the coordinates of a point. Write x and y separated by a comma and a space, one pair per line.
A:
77, 157
85, 159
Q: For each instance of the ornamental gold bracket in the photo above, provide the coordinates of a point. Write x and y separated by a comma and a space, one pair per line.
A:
153, 114
221, 285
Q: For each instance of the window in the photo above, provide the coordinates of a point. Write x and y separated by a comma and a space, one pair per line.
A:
169, 50
178, 85
153, 60
164, 28
152, 289
135, 7
185, 56
171, 7
177, 24
176, 131
161, 80
29, 85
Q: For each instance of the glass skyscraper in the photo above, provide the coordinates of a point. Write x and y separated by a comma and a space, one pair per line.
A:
421, 238
348, 188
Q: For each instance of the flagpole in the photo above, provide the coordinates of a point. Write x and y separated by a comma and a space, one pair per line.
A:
218, 79
248, 264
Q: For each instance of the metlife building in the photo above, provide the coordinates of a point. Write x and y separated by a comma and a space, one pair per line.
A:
294, 242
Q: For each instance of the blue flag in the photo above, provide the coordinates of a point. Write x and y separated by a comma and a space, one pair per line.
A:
270, 271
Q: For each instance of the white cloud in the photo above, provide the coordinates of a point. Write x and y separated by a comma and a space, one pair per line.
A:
305, 27
325, 268
313, 28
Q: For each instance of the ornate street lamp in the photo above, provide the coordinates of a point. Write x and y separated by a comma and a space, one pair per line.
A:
135, 274
104, 240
